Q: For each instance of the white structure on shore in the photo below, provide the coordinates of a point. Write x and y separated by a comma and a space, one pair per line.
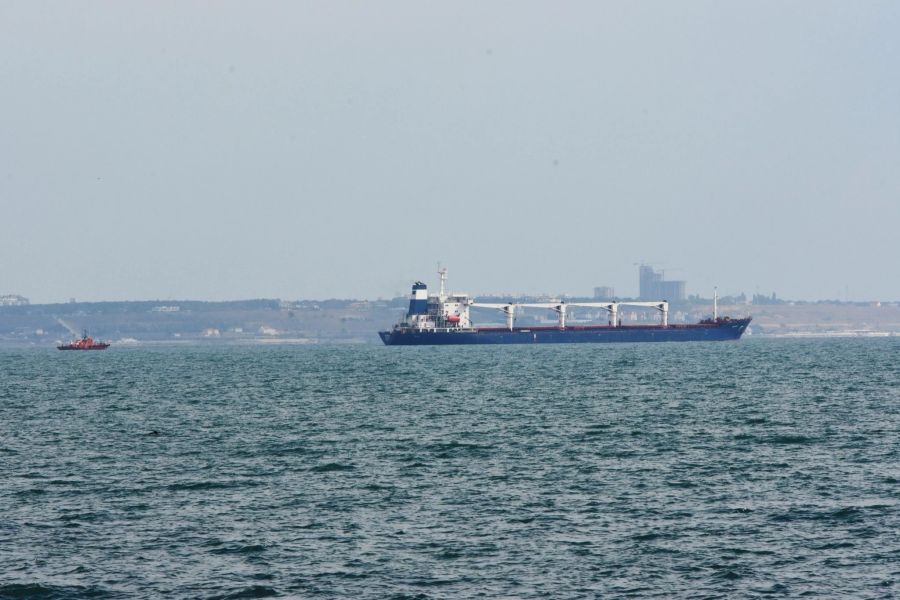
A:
13, 300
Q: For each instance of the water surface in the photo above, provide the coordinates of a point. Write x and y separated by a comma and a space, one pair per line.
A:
649, 470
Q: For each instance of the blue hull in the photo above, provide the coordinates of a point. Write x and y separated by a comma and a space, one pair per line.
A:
703, 332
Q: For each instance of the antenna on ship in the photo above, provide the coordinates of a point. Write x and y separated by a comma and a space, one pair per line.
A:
715, 303
442, 271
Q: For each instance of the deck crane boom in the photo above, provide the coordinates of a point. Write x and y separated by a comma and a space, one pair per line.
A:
509, 309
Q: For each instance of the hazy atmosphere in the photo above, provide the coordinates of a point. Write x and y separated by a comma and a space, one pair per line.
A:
312, 150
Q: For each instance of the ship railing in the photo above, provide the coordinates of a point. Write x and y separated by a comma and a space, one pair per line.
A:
444, 329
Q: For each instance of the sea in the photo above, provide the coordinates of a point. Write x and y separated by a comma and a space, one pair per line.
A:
751, 469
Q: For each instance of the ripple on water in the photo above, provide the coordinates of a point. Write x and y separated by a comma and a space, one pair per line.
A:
52, 592
253, 591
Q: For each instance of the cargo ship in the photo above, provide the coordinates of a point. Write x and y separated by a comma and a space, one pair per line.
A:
444, 319
85, 343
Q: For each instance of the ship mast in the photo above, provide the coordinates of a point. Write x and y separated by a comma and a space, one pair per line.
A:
716, 303
442, 271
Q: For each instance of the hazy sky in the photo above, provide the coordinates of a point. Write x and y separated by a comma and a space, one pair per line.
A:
222, 150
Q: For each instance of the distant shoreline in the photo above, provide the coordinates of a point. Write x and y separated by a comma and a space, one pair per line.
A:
272, 322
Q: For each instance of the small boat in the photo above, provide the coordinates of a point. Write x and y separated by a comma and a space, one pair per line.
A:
85, 343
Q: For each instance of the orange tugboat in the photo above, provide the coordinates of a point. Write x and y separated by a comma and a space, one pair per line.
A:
85, 343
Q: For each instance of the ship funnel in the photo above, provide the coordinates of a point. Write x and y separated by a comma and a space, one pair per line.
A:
418, 300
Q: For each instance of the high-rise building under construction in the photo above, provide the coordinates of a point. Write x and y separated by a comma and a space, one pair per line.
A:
654, 286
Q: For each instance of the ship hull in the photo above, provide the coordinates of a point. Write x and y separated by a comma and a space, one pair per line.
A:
97, 347
703, 332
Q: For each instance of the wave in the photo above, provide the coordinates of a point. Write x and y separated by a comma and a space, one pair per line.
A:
332, 467
253, 591
37, 591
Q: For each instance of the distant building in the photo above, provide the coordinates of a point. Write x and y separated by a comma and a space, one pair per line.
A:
654, 287
13, 300
604, 293
165, 309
